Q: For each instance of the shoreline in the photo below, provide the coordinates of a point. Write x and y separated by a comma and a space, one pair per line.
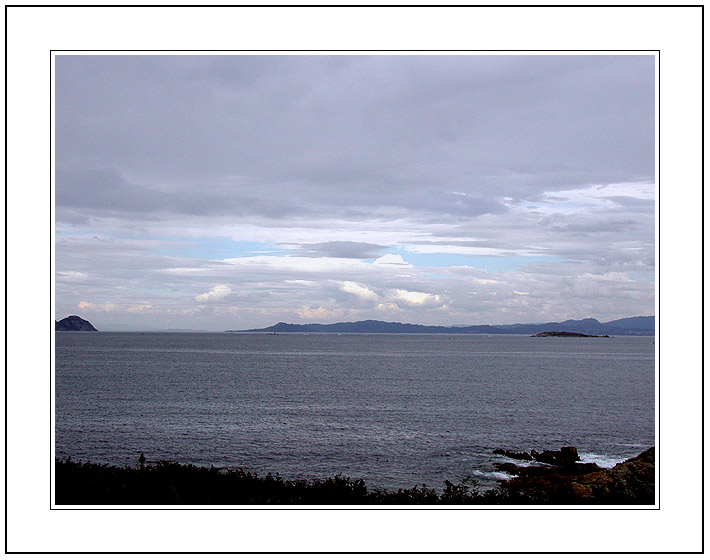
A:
631, 482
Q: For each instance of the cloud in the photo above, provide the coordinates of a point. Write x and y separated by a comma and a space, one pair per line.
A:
71, 275
343, 249
359, 290
296, 264
391, 261
481, 280
172, 170
215, 294
387, 307
139, 308
107, 306
609, 277
318, 312
511, 123
416, 298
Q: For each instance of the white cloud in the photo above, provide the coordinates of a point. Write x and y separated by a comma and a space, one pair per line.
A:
216, 293
484, 281
611, 276
72, 275
107, 306
139, 308
302, 282
299, 264
391, 261
190, 311
318, 312
360, 290
594, 197
475, 251
416, 298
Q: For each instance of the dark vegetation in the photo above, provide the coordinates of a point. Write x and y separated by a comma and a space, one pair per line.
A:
168, 483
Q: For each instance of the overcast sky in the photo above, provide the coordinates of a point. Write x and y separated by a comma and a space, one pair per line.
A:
228, 192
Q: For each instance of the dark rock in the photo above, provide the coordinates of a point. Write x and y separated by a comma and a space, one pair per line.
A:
564, 457
537, 470
512, 455
584, 468
630, 482
509, 468
73, 323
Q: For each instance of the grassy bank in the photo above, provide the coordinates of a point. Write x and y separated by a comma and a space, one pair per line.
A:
168, 483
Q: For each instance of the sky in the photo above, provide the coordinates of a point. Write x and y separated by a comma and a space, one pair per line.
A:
237, 191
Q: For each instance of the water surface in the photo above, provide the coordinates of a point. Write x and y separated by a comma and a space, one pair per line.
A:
395, 410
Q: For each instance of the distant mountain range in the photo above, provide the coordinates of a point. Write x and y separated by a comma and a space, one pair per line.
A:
641, 326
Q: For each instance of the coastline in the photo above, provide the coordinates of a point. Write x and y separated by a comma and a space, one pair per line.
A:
631, 482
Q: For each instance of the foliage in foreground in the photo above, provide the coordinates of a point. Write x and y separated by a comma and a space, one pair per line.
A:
169, 483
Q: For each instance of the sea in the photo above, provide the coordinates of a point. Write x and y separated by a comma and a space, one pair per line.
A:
395, 410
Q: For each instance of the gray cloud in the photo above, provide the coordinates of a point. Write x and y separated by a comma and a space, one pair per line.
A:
633, 201
344, 249
485, 125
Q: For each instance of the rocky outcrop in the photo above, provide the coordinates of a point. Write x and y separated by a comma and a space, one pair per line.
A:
630, 482
565, 456
513, 455
73, 323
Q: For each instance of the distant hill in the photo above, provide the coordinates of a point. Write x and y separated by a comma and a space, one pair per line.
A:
629, 326
634, 325
73, 323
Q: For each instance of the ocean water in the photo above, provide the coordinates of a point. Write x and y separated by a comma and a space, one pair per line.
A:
395, 410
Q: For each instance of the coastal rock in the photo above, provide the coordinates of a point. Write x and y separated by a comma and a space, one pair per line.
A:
513, 455
509, 468
564, 457
73, 323
630, 482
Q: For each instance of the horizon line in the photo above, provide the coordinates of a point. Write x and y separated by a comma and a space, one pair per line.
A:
132, 329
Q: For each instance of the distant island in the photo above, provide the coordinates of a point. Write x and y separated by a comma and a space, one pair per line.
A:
564, 334
638, 326
73, 323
